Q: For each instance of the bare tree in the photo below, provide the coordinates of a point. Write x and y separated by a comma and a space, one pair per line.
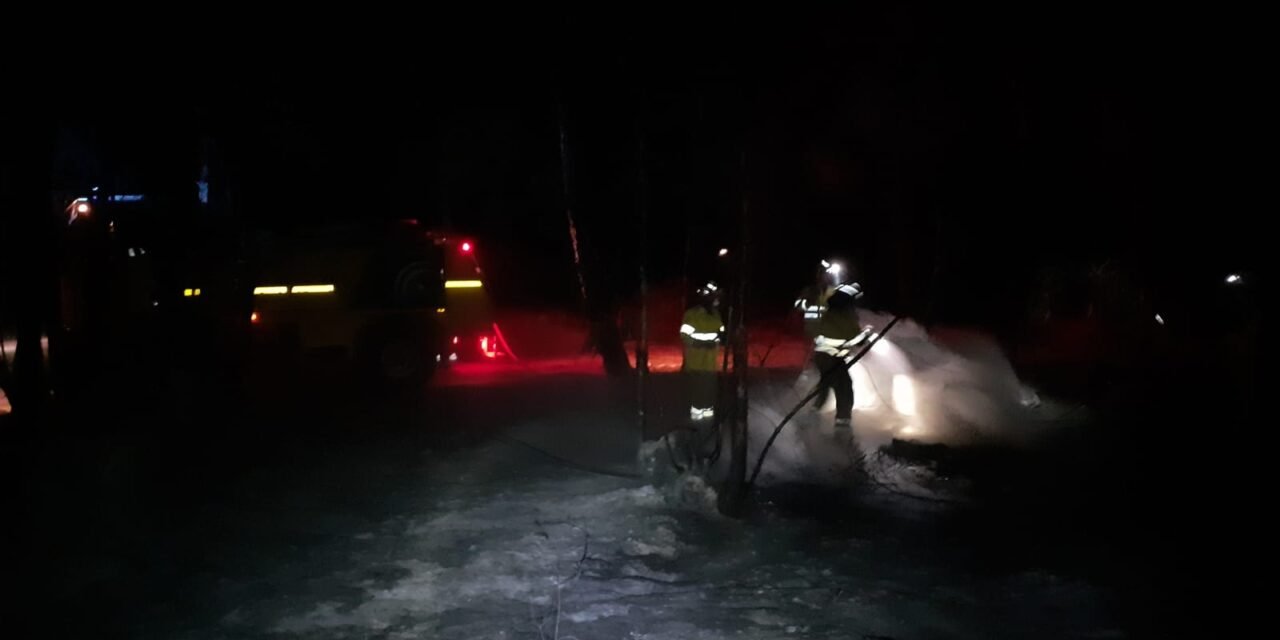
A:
734, 493
642, 233
598, 306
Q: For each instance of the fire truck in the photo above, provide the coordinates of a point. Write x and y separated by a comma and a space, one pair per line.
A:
391, 297
371, 294
397, 300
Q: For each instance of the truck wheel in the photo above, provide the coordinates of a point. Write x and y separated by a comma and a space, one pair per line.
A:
397, 359
401, 360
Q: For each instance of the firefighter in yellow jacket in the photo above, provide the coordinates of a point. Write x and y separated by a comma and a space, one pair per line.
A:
838, 335
701, 333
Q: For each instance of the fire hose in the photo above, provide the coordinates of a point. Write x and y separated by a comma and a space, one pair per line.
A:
822, 382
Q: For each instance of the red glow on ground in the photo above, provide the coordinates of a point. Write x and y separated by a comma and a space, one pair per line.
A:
551, 344
495, 371
663, 358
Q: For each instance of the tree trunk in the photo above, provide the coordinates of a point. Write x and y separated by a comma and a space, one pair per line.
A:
732, 498
608, 343
601, 314
28, 249
642, 340
566, 178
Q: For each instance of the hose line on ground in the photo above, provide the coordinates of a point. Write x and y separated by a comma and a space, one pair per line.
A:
813, 394
561, 460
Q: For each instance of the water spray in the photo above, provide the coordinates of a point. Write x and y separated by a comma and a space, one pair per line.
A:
814, 394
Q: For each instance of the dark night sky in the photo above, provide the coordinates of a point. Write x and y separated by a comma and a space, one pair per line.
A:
953, 153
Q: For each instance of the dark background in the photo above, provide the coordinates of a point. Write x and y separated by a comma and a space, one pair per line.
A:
953, 155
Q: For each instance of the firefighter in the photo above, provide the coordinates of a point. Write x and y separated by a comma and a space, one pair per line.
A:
701, 332
837, 333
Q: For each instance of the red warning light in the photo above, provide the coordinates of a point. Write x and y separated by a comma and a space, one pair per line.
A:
254, 317
489, 347
466, 247
455, 339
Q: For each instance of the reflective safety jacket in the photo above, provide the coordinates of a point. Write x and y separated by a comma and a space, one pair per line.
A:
838, 333
812, 303
700, 334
